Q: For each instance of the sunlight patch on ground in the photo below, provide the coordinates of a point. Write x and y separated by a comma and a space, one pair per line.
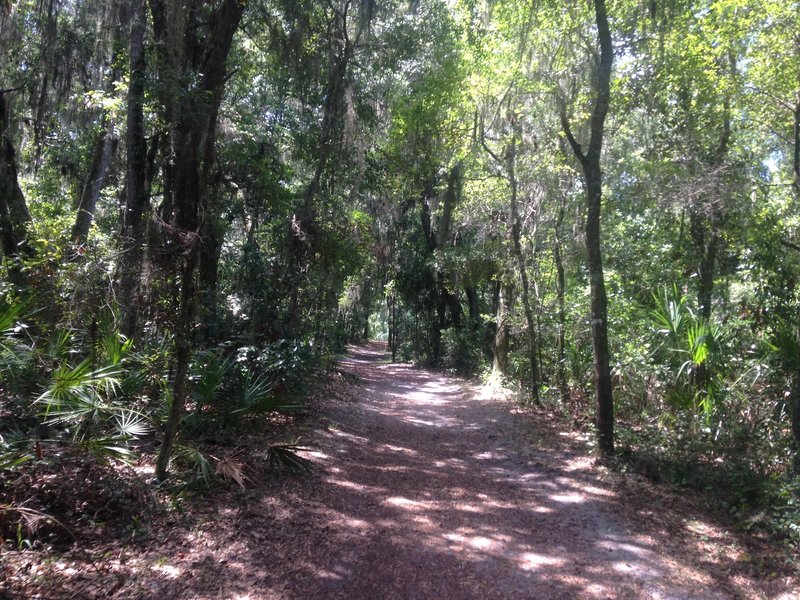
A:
439, 387
466, 540
625, 568
67, 570
482, 543
471, 508
350, 436
452, 463
355, 486
490, 456
357, 523
324, 574
400, 449
426, 522
596, 491
574, 498
422, 397
168, 570
407, 503
490, 502
597, 589
623, 547
422, 422
531, 561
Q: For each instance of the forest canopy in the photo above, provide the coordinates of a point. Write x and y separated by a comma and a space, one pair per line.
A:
593, 202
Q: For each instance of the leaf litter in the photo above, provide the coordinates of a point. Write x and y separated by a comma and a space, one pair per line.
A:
422, 486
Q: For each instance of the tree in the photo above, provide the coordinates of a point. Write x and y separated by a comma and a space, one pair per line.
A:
137, 194
185, 57
14, 215
590, 161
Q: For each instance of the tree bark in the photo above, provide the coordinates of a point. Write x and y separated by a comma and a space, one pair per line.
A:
560, 310
515, 227
795, 405
505, 301
137, 184
193, 137
593, 181
104, 146
796, 375
14, 215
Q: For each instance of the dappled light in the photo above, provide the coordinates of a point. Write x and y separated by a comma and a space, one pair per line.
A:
256, 255
430, 488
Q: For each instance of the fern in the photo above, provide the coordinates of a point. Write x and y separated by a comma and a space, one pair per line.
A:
286, 456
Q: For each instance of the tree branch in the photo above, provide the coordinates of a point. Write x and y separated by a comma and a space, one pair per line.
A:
576, 147
790, 245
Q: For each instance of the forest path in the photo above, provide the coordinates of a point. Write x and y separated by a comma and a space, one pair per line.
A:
427, 488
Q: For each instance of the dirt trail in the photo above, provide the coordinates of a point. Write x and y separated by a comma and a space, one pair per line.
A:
431, 491
424, 487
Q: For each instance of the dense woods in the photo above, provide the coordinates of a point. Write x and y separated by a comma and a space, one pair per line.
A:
594, 202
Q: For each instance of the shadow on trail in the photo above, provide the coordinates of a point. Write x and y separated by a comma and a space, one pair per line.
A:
425, 491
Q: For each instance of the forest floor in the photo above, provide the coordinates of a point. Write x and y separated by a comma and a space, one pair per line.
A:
423, 487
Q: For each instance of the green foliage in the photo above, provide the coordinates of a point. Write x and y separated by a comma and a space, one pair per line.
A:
286, 456
17, 367
462, 351
784, 505
86, 401
201, 470
230, 389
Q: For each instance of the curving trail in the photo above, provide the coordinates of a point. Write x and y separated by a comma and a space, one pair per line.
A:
432, 490
424, 487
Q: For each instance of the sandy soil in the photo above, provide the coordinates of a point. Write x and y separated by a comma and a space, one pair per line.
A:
427, 487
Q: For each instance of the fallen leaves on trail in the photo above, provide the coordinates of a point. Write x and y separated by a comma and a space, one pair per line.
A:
422, 487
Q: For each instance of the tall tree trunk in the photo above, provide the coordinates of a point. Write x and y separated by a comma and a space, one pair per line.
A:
193, 137
104, 147
705, 238
796, 375
515, 226
47, 14
302, 230
137, 183
105, 144
794, 399
505, 302
474, 307
704, 224
593, 180
561, 356
14, 215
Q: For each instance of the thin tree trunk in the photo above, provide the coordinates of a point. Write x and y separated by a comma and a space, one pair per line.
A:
104, 147
394, 328
211, 240
137, 182
794, 400
474, 307
796, 375
593, 180
519, 258
560, 310
183, 351
705, 238
505, 300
